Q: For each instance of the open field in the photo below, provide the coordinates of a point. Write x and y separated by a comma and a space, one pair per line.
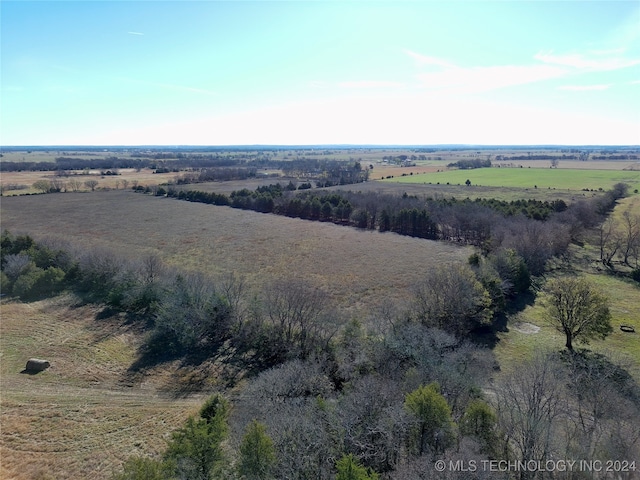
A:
87, 413
433, 190
519, 343
357, 267
560, 178
144, 176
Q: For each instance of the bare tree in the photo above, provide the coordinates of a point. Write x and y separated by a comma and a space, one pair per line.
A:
44, 186
57, 185
610, 241
630, 237
125, 184
451, 298
74, 184
92, 184
530, 403
295, 308
15, 265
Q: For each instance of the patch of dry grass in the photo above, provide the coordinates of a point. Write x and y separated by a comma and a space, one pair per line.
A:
85, 415
144, 176
356, 267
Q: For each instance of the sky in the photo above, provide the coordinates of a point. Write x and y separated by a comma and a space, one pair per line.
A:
320, 72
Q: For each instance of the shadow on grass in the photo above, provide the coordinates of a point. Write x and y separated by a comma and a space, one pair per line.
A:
488, 336
214, 366
31, 372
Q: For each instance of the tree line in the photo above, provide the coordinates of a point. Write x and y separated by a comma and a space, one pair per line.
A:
536, 230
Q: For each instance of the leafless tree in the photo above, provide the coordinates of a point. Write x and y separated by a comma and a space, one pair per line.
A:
125, 184
92, 184
610, 241
57, 185
15, 264
44, 186
74, 184
530, 402
452, 299
630, 237
295, 308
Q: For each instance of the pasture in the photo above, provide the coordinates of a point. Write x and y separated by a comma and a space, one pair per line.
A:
623, 294
87, 413
358, 268
561, 179
144, 176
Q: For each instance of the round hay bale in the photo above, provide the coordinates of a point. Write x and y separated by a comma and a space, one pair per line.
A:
37, 365
627, 328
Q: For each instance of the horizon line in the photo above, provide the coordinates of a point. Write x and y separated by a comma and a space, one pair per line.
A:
318, 145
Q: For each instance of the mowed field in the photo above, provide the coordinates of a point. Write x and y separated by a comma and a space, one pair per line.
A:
530, 331
358, 268
85, 415
529, 178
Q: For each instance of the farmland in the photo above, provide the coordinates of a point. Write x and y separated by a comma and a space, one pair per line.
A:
564, 179
357, 267
86, 414
95, 406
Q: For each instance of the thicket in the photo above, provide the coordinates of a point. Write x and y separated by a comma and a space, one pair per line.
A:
467, 164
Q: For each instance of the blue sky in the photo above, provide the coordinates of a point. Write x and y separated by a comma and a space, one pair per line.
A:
319, 72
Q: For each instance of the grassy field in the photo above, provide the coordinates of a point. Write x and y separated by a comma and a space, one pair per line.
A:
529, 331
87, 413
433, 190
358, 268
144, 176
528, 178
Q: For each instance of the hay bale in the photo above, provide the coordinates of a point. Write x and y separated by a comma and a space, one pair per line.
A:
37, 365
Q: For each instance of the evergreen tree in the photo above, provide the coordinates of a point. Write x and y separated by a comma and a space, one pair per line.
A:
257, 453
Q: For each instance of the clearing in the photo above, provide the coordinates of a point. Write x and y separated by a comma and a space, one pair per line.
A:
87, 413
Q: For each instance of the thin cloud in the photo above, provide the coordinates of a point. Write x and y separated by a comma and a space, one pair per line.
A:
585, 88
371, 84
169, 86
584, 62
423, 60
482, 79
135, 33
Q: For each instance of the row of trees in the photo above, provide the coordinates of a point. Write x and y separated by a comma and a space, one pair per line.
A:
57, 185
620, 238
488, 223
467, 164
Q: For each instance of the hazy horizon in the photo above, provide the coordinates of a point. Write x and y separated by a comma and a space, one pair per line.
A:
225, 73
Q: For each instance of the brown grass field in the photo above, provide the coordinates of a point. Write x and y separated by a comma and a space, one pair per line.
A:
356, 267
145, 177
87, 413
